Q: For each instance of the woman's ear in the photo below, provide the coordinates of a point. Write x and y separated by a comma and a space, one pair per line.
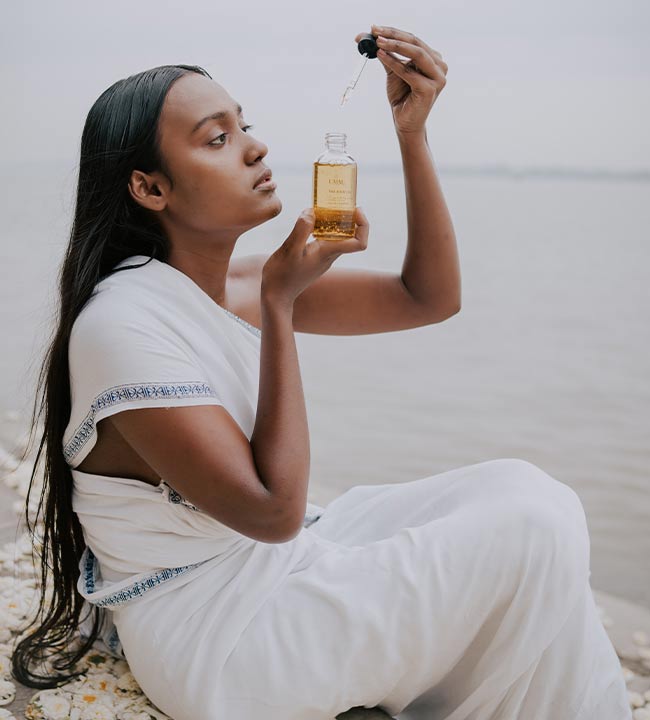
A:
147, 190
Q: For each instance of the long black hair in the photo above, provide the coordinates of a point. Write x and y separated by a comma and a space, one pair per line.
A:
120, 134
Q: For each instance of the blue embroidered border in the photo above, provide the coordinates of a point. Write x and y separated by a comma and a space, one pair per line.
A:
176, 498
113, 643
137, 589
124, 393
131, 592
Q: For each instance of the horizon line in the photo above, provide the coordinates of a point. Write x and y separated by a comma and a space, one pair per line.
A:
485, 169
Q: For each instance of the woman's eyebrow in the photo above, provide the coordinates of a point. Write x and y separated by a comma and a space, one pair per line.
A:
215, 116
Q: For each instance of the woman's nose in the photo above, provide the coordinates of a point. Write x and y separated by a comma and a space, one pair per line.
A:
258, 149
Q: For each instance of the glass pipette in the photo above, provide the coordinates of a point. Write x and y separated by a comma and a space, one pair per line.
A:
355, 78
368, 48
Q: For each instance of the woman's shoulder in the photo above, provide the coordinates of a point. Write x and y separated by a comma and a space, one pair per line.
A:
126, 291
106, 307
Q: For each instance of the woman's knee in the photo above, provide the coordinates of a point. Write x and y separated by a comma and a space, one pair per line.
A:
530, 481
545, 518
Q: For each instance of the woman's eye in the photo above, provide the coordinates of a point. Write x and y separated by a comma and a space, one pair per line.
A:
212, 142
223, 135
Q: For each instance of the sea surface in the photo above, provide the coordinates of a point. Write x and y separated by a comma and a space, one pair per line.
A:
548, 359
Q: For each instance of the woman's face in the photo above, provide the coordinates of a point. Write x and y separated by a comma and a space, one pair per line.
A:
214, 162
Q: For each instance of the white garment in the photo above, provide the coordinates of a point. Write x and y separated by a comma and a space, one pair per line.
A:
459, 596
151, 337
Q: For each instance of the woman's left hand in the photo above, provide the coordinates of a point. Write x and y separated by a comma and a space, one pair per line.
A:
412, 85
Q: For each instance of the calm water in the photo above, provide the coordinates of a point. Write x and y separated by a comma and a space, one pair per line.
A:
548, 359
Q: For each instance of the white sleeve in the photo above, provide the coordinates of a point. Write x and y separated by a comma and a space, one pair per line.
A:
121, 363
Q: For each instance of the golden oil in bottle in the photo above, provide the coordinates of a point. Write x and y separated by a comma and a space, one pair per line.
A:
335, 190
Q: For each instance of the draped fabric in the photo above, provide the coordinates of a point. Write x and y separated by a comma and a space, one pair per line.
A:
458, 596
149, 336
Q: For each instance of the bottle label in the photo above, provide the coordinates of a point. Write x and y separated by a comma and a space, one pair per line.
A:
336, 186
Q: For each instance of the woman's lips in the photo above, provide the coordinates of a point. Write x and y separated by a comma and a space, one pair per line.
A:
266, 185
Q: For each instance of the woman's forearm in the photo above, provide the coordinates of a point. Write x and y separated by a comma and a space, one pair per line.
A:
431, 269
280, 439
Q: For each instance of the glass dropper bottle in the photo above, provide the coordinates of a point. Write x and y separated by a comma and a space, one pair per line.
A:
334, 190
335, 171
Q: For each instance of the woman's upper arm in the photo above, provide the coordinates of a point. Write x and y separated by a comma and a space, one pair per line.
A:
204, 455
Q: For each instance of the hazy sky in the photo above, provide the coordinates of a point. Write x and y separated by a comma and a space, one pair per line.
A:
543, 83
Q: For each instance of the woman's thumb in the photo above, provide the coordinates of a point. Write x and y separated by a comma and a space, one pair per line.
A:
303, 227
308, 216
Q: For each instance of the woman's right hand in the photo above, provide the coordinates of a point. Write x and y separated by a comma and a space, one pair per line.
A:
297, 263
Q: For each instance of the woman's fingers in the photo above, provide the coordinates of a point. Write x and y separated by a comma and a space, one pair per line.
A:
404, 69
407, 38
363, 226
352, 244
410, 39
411, 72
424, 62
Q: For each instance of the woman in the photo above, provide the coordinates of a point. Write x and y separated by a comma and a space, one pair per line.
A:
194, 551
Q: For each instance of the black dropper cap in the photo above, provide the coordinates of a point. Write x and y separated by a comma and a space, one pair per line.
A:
367, 45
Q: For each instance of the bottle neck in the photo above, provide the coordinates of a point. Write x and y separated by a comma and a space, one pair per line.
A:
335, 141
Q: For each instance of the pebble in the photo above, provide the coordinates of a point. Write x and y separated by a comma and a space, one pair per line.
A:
628, 674
646, 695
641, 714
7, 692
644, 652
641, 637
636, 699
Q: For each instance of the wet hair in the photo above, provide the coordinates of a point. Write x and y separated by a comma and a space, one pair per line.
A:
120, 135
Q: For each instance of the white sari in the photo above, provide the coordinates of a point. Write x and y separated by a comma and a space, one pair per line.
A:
463, 595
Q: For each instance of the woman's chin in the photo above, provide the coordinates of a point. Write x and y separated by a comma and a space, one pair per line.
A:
276, 207
272, 209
